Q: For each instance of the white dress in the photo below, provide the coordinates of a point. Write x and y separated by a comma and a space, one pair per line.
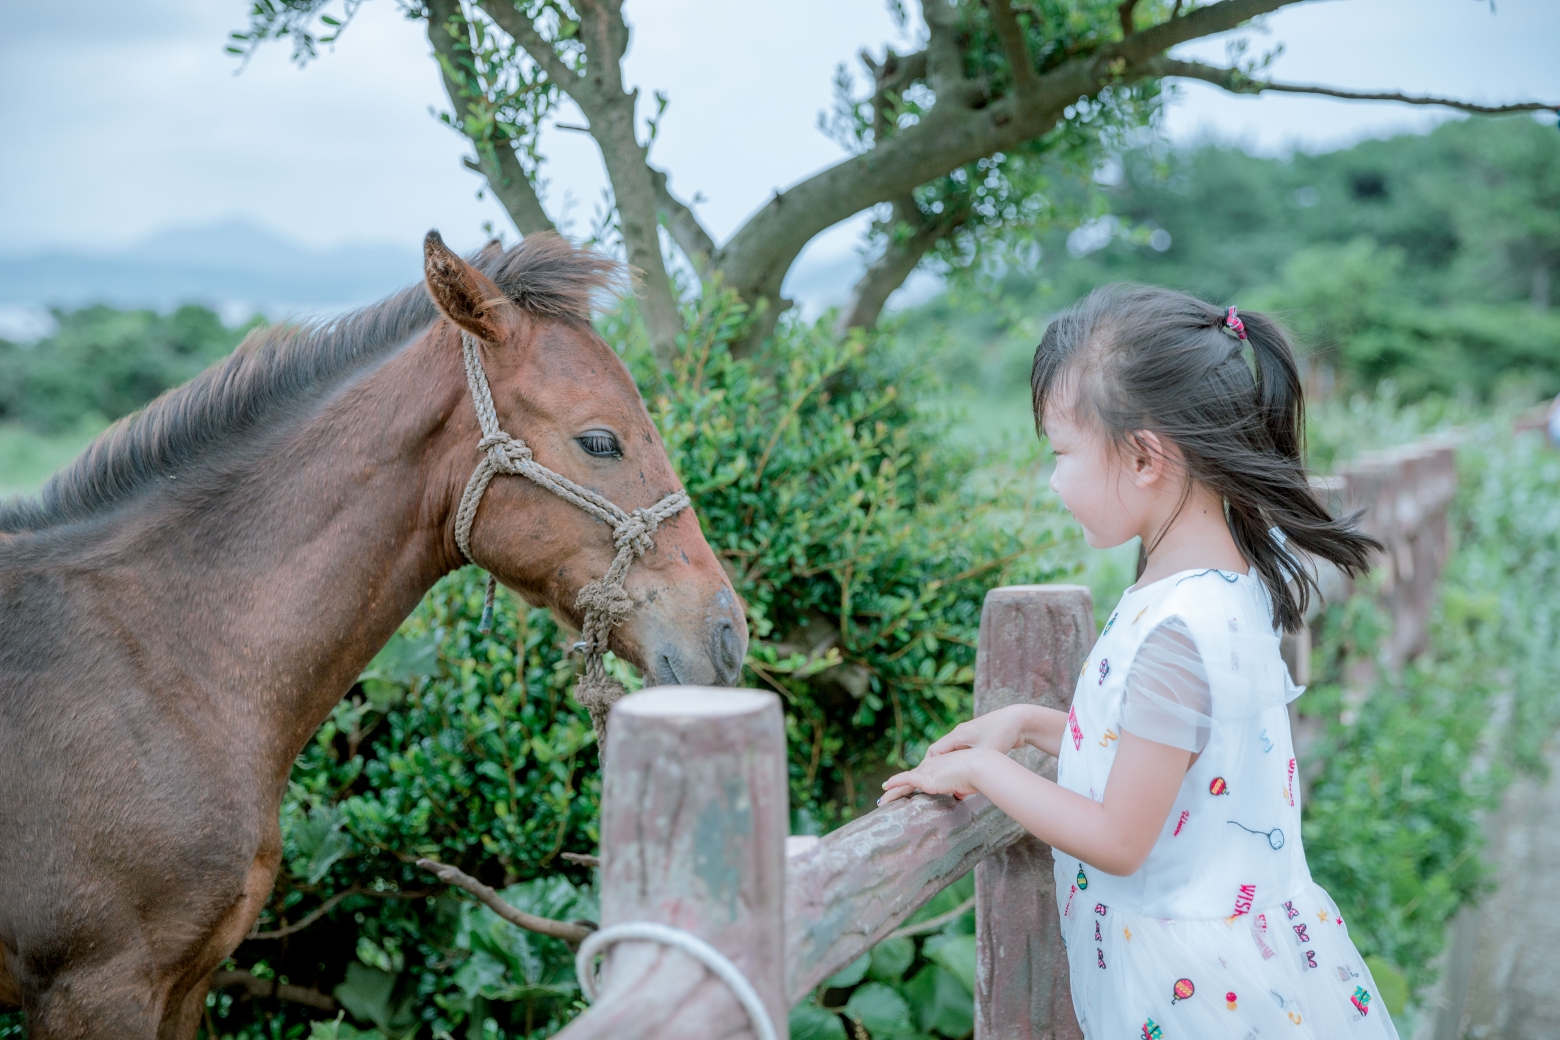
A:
1221, 933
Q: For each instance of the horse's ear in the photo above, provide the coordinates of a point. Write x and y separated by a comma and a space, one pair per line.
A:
466, 296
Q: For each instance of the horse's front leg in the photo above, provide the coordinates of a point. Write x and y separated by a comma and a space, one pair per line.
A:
186, 1002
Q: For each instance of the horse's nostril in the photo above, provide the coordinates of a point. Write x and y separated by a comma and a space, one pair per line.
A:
727, 653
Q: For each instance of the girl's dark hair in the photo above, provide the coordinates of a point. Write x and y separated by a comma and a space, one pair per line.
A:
1138, 357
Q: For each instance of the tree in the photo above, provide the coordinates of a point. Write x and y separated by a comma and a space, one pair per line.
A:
949, 143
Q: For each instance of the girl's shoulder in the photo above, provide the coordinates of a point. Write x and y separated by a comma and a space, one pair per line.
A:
1209, 601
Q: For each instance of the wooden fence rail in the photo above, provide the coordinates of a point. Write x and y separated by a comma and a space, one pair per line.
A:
695, 810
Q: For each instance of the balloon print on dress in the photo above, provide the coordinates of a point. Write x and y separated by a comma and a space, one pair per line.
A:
1229, 1000
1275, 836
1183, 990
1083, 882
1218, 786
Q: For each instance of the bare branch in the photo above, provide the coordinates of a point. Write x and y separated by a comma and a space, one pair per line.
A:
255, 986
932, 924
568, 931
584, 859
1025, 80
326, 907
1237, 82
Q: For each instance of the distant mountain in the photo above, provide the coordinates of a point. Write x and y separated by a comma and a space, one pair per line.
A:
228, 265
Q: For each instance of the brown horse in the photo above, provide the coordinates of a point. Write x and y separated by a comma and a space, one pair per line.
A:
184, 604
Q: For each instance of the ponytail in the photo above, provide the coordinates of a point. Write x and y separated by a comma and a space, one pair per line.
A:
1164, 361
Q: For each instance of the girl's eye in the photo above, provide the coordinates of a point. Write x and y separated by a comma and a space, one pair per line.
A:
600, 443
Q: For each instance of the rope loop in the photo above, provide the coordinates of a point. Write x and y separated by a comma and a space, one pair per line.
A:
718, 964
604, 603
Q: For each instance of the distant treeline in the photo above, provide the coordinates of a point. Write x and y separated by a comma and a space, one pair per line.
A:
106, 362
1431, 260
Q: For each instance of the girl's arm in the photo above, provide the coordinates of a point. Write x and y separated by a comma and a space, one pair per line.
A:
1115, 835
1005, 729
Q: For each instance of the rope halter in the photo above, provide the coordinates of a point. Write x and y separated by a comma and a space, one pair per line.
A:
604, 602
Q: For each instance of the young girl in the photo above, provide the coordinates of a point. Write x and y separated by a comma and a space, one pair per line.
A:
1186, 904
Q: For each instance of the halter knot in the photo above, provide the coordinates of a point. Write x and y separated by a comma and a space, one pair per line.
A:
604, 603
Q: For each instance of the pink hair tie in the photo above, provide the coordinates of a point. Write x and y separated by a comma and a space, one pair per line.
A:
1234, 324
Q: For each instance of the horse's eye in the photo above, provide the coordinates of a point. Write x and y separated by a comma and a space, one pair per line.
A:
601, 443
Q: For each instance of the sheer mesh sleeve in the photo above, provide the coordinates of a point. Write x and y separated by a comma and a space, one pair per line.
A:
1168, 699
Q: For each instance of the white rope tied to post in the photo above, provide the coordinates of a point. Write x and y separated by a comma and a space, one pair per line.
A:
718, 963
604, 603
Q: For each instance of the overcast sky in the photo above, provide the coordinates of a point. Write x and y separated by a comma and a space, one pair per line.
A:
120, 118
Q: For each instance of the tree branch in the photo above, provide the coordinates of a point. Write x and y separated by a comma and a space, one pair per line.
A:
568, 931
684, 226
496, 161
1125, 12
326, 907
901, 255
1025, 80
508, 18
255, 986
507, 180
757, 257
1237, 82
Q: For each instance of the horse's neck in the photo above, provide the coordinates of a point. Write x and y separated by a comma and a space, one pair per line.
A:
293, 577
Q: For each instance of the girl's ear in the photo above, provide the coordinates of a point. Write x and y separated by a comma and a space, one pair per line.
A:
1147, 461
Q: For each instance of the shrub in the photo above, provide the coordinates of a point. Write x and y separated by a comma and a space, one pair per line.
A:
107, 362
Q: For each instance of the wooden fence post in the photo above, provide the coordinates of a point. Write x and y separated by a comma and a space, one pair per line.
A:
693, 823
1033, 641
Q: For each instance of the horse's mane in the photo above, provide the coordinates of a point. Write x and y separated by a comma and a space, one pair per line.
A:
278, 369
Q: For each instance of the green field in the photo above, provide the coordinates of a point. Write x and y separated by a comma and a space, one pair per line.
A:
27, 458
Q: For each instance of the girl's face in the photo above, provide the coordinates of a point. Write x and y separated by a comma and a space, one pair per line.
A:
1101, 485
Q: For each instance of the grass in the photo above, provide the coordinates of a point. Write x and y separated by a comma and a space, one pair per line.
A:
27, 458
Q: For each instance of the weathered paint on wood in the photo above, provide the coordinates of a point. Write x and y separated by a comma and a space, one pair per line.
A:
848, 890
1033, 641
693, 823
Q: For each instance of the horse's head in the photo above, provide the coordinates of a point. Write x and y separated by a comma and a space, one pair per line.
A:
559, 388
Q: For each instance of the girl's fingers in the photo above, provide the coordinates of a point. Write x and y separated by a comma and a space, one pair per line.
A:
893, 793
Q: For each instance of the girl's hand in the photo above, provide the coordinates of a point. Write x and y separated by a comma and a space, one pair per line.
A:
951, 772
1001, 730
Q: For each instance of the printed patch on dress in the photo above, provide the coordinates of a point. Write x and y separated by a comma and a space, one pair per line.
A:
1097, 936
1310, 960
1289, 785
1345, 973
1181, 822
1109, 736
1361, 1000
1100, 909
1290, 911
1083, 882
1259, 928
1101, 955
1182, 991
1290, 1008
1267, 743
1108, 626
1218, 786
1140, 615
1229, 1000
1234, 661
1248, 895
1072, 890
1072, 724
1234, 625
1322, 915
1301, 938
1275, 837
1152, 1032
1104, 669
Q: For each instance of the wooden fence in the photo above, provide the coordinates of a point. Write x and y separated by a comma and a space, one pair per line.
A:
695, 811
